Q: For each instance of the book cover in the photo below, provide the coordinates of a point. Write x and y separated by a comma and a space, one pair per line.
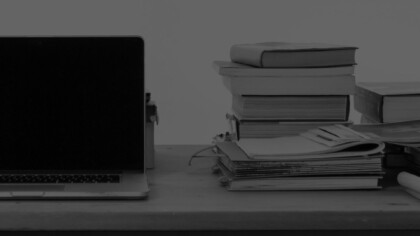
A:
293, 55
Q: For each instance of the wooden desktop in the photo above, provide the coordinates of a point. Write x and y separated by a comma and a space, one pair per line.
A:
189, 199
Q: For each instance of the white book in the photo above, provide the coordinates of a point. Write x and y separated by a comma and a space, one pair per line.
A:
328, 85
226, 68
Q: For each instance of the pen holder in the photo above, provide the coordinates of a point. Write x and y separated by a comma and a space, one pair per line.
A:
151, 119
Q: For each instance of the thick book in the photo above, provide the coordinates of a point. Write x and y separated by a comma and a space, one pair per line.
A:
227, 68
234, 183
384, 102
292, 108
298, 85
293, 55
251, 128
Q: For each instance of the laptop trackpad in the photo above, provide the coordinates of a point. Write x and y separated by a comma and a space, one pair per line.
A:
31, 188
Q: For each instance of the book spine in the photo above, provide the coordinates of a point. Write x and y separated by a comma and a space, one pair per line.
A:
308, 58
245, 55
368, 103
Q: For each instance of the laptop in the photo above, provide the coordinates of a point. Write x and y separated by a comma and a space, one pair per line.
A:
72, 118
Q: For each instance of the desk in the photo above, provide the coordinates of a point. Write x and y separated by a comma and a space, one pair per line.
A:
189, 198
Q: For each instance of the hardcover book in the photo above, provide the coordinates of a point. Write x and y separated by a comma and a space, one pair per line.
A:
293, 55
298, 183
292, 108
388, 101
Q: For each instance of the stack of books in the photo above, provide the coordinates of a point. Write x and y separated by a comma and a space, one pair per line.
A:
281, 89
327, 158
389, 102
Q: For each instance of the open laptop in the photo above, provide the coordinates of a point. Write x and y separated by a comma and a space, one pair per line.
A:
72, 118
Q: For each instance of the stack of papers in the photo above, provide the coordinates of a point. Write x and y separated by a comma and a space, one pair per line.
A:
331, 157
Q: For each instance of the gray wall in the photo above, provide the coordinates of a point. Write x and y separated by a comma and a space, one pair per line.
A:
183, 37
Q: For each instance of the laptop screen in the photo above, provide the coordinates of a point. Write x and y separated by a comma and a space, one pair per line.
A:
71, 103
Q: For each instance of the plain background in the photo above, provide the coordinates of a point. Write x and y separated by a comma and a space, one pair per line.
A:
183, 37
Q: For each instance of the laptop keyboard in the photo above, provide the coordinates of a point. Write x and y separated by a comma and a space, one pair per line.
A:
61, 178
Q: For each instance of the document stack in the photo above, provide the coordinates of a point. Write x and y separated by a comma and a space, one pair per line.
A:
389, 102
327, 158
281, 89
290, 110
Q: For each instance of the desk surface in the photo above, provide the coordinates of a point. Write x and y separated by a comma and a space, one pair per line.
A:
186, 197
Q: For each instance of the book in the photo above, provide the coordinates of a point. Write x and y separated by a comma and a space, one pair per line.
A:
305, 85
226, 68
292, 55
234, 183
241, 172
388, 101
251, 128
292, 108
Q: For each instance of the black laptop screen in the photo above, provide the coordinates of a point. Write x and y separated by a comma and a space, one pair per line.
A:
71, 103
